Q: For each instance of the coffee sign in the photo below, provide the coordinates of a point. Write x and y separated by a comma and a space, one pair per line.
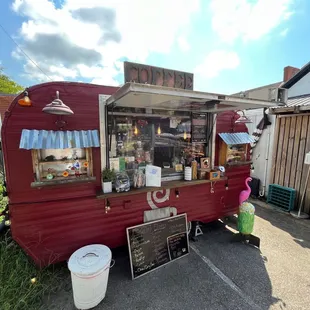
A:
144, 74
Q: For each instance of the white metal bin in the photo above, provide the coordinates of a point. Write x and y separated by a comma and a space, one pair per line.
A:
90, 266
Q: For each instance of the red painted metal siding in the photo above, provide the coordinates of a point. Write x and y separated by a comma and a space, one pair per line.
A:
236, 175
52, 222
52, 231
83, 99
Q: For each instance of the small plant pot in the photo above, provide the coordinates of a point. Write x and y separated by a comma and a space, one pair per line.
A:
107, 187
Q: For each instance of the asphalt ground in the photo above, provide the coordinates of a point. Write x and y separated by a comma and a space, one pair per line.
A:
217, 274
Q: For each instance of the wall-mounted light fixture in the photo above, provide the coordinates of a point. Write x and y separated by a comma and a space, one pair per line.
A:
25, 101
177, 193
243, 119
107, 206
252, 168
57, 107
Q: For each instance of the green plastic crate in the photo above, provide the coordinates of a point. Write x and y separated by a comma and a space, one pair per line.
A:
282, 197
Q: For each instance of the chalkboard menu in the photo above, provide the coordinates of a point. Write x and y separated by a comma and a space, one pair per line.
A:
199, 127
157, 243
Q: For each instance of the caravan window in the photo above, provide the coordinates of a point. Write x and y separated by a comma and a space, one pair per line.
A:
63, 165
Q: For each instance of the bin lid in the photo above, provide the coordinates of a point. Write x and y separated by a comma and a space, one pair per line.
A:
90, 259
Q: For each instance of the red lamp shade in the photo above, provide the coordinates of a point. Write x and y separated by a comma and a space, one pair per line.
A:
57, 107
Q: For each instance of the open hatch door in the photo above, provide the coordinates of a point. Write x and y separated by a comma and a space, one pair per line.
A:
146, 96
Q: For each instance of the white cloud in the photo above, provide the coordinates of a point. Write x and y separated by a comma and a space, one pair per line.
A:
217, 61
247, 19
73, 41
284, 32
183, 44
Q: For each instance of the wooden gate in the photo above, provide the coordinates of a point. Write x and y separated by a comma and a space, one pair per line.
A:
291, 143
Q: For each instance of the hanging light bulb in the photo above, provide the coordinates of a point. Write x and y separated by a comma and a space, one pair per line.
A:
185, 135
135, 130
158, 130
25, 101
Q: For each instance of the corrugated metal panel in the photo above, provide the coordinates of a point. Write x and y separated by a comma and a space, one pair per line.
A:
48, 139
236, 138
300, 101
49, 223
57, 232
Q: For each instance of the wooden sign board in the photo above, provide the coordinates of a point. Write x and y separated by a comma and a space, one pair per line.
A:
154, 244
144, 74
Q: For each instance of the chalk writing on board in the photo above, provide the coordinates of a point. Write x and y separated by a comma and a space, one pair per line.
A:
156, 243
177, 245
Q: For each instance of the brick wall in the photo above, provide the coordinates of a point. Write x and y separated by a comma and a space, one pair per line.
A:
289, 72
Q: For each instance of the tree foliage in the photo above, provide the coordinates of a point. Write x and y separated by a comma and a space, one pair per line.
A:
7, 85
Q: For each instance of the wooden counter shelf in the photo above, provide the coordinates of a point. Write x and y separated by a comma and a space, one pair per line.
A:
238, 164
165, 185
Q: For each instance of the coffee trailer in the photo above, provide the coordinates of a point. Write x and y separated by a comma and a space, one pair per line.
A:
53, 162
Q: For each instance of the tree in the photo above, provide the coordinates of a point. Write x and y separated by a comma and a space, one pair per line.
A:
8, 86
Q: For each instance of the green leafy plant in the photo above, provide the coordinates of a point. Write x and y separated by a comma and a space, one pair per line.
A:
7, 85
3, 204
108, 175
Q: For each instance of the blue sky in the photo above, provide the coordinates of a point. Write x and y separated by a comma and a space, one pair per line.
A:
230, 45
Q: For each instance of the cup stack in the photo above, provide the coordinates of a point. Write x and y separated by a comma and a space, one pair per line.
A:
188, 174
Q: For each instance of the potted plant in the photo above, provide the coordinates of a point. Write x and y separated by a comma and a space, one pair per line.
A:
108, 177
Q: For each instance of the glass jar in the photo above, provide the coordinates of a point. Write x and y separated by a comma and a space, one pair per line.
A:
139, 179
122, 183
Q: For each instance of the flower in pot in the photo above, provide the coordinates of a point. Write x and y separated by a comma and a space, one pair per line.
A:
108, 177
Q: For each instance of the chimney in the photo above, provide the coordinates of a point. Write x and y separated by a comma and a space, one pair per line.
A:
289, 72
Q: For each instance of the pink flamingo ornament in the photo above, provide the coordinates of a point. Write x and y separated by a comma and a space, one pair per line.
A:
245, 194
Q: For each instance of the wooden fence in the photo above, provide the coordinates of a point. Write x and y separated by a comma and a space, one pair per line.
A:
291, 143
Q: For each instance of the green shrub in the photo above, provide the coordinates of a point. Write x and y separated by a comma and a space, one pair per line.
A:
108, 175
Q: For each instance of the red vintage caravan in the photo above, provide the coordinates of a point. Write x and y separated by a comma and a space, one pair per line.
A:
53, 162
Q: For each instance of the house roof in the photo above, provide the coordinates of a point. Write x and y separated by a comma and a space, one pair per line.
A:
294, 104
273, 85
299, 101
5, 101
293, 80
8, 95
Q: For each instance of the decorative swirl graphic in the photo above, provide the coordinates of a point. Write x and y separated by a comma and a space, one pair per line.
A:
152, 197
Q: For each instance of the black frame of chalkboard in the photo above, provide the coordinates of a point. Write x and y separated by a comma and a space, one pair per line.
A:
152, 222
